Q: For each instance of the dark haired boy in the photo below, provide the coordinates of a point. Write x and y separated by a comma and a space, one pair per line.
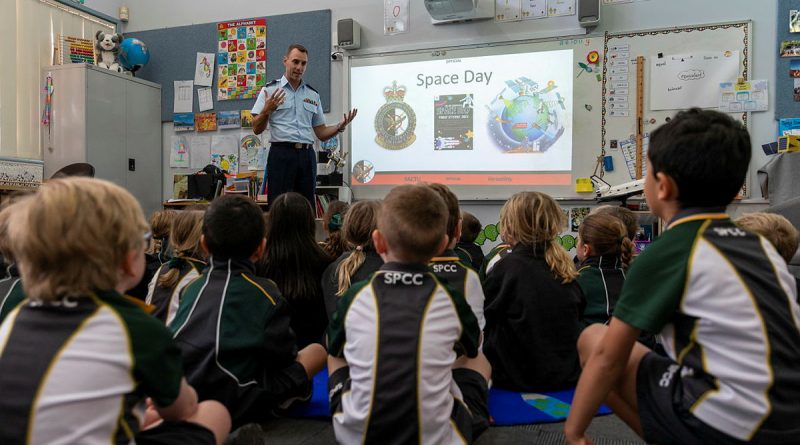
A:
466, 249
233, 327
448, 265
721, 298
399, 332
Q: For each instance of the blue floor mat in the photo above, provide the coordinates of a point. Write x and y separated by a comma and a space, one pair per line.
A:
505, 407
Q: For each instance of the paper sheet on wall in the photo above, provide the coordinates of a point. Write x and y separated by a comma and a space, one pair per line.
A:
690, 80
507, 10
533, 9
748, 96
557, 8
225, 152
205, 100
204, 69
179, 152
395, 16
183, 96
199, 151
226, 144
628, 149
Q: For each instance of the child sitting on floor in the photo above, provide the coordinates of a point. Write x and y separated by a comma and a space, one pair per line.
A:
187, 263
469, 252
533, 303
394, 372
233, 327
721, 298
604, 252
362, 259
77, 358
448, 267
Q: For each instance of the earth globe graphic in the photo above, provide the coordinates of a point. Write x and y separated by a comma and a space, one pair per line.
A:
525, 118
133, 54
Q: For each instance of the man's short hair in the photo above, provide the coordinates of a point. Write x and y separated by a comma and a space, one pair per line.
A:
413, 221
705, 152
233, 227
296, 46
775, 228
72, 236
451, 202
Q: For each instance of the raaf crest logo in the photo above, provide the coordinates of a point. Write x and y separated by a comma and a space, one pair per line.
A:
395, 120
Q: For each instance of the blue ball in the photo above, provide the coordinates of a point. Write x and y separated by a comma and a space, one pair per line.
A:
133, 54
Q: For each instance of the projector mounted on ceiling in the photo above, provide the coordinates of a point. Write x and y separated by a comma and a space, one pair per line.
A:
455, 11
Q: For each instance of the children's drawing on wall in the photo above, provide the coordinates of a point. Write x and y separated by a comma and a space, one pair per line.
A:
179, 152
254, 152
794, 20
204, 69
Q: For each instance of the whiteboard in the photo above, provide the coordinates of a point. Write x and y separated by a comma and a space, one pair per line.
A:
585, 108
620, 53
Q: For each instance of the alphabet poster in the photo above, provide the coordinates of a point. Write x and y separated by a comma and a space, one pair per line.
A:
241, 58
690, 80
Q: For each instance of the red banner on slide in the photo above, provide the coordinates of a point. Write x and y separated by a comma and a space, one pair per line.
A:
470, 179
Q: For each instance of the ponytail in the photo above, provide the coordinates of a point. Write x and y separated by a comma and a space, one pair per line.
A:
626, 252
348, 267
559, 261
173, 275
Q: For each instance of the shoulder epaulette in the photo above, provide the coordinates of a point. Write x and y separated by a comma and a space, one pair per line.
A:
272, 82
312, 88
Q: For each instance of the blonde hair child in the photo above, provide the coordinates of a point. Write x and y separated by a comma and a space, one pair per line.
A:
361, 260
535, 219
187, 264
775, 228
532, 300
88, 248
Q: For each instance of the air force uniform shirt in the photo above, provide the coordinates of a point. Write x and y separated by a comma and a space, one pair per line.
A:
295, 118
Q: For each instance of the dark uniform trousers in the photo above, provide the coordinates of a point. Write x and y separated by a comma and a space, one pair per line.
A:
294, 170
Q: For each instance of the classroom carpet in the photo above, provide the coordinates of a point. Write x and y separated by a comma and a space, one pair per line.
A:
506, 408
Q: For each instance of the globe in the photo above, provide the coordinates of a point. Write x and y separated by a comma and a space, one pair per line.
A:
133, 54
525, 118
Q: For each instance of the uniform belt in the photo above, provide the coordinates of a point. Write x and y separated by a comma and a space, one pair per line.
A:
296, 145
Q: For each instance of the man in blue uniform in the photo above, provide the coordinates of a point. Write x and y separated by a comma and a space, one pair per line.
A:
294, 112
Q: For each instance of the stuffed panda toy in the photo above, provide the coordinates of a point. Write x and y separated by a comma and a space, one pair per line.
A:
107, 46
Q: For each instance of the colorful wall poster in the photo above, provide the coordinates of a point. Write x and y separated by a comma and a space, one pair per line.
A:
247, 119
228, 119
205, 121
183, 121
241, 58
746, 96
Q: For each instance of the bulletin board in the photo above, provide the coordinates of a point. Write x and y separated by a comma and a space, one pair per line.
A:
786, 105
173, 54
619, 117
